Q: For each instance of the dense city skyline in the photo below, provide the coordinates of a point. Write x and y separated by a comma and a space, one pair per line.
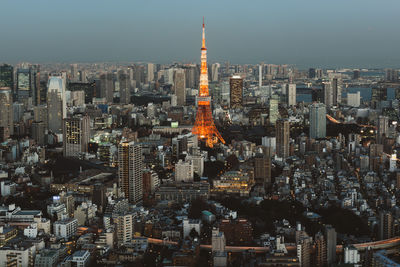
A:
306, 34
276, 142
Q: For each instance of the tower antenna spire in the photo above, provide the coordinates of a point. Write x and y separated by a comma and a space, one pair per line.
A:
204, 36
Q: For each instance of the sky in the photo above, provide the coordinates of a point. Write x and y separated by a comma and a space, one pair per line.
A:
305, 33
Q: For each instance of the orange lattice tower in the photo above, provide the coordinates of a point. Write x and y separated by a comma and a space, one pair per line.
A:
204, 126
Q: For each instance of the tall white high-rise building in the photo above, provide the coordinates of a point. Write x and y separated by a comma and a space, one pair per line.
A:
56, 104
317, 120
215, 72
150, 72
328, 94
260, 75
130, 168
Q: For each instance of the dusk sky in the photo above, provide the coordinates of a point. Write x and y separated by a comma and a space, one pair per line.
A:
341, 33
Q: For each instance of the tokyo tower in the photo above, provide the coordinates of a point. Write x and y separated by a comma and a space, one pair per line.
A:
204, 126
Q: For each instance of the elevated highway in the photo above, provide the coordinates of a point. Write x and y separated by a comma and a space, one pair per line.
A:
376, 245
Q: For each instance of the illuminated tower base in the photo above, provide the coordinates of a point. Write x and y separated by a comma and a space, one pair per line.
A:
204, 126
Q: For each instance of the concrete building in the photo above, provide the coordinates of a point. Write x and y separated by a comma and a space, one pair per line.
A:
56, 104
23, 254
328, 94
76, 137
124, 227
124, 88
273, 109
183, 192
336, 91
130, 168
382, 128
330, 237
6, 110
189, 224
386, 225
291, 94
107, 87
180, 86
236, 92
353, 99
85, 212
317, 121
47, 258
262, 169
351, 255
282, 129
215, 72
218, 249
79, 258
320, 250
65, 228
184, 171
304, 248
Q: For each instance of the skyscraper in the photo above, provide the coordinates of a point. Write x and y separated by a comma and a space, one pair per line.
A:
273, 108
28, 84
124, 88
6, 110
328, 93
76, 137
386, 225
204, 126
236, 91
7, 76
107, 87
291, 94
282, 138
180, 86
379, 93
336, 91
317, 120
356, 74
130, 167
311, 73
262, 169
304, 246
74, 72
260, 75
124, 227
56, 104
330, 236
150, 72
382, 128
215, 72
320, 250
38, 132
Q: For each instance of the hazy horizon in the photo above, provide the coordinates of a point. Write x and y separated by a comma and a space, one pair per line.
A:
314, 33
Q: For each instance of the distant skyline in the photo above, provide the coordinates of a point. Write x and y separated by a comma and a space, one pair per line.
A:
311, 33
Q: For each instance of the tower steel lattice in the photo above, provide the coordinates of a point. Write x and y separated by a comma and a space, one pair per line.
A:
204, 126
